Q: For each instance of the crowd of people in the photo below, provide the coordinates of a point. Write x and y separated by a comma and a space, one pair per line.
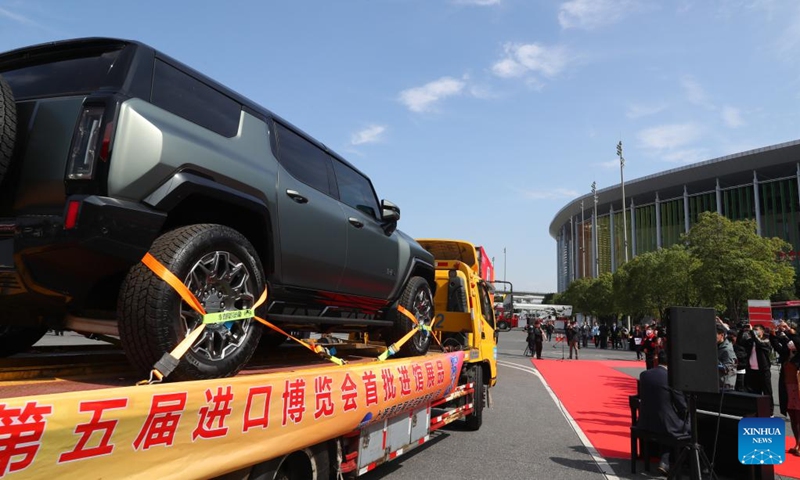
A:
745, 357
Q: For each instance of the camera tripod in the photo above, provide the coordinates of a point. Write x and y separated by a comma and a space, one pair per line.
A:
692, 452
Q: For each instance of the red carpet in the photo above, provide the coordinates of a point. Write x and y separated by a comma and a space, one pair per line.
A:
596, 396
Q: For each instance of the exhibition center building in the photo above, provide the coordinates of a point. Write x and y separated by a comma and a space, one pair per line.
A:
760, 184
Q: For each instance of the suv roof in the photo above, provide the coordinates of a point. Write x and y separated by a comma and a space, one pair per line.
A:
50, 51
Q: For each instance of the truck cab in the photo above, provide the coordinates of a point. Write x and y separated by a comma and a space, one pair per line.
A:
463, 302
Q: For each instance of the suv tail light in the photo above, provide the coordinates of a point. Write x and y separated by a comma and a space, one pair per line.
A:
87, 144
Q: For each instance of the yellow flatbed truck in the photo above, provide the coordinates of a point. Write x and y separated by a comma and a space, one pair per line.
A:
292, 415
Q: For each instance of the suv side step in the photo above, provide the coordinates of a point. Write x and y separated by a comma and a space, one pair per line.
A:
327, 320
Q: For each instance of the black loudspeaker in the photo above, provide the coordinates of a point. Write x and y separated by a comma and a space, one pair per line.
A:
692, 349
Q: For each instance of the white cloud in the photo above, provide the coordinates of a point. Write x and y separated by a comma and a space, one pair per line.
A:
480, 3
642, 110
371, 134
667, 137
695, 92
609, 164
687, 156
732, 116
423, 99
522, 59
17, 17
555, 193
591, 14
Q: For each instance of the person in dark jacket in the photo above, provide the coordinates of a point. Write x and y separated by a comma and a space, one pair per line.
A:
661, 408
571, 332
741, 359
536, 336
757, 375
603, 336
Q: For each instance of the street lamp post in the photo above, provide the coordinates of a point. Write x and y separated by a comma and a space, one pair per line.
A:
504, 264
624, 209
624, 213
594, 233
583, 245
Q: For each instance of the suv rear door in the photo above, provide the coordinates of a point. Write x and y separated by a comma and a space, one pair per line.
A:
313, 227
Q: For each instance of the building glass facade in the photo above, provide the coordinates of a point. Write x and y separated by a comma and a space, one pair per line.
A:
672, 222
645, 229
762, 185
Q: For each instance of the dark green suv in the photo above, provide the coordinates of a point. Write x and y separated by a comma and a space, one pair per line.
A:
110, 149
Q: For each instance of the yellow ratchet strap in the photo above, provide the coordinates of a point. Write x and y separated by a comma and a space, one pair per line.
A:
169, 361
395, 347
327, 354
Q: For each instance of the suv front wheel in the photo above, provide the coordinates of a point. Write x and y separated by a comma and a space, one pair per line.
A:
221, 268
418, 300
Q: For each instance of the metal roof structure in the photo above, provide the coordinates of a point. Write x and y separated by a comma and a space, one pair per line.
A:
776, 161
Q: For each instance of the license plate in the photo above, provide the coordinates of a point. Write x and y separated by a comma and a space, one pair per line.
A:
7, 253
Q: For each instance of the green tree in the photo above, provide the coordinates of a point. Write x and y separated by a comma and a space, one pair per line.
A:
600, 296
655, 281
576, 295
736, 264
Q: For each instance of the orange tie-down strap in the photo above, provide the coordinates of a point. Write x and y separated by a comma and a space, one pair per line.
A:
169, 361
395, 347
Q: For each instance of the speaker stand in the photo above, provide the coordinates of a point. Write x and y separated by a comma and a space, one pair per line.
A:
692, 453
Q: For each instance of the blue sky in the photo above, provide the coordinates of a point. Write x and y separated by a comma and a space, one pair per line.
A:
482, 118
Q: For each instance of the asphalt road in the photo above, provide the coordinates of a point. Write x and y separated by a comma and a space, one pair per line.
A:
524, 434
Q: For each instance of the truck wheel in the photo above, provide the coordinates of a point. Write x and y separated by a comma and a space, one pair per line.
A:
16, 339
8, 127
312, 463
417, 299
502, 325
223, 271
475, 419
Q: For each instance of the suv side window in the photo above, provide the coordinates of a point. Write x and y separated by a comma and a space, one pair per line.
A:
189, 98
304, 160
355, 190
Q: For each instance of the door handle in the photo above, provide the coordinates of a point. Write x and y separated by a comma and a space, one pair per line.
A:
355, 222
295, 195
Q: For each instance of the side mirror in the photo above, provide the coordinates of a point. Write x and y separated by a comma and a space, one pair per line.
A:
390, 214
389, 211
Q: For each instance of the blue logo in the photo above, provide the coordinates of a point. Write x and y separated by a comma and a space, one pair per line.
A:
762, 441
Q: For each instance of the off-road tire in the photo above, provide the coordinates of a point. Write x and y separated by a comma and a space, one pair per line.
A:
416, 294
8, 126
16, 339
475, 419
149, 309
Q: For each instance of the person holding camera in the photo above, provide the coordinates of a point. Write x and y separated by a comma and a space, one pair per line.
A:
757, 376
726, 360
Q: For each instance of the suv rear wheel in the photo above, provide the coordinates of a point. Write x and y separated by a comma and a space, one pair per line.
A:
8, 126
418, 300
221, 268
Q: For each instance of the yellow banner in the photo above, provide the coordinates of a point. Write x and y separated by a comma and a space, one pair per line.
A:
208, 428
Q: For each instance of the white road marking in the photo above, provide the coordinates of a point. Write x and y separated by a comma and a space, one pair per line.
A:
601, 462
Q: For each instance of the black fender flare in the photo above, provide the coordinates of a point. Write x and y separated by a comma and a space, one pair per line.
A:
187, 183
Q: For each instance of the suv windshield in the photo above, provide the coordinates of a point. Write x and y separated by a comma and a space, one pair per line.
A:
54, 73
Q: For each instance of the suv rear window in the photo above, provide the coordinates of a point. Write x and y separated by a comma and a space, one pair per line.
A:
188, 97
85, 73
